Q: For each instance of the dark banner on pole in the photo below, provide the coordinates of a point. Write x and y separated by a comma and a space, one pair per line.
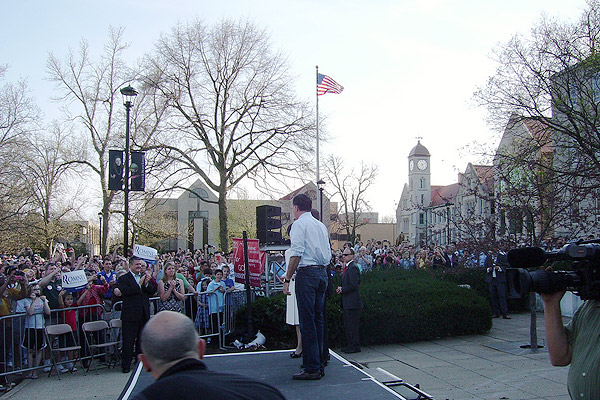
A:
115, 170
138, 171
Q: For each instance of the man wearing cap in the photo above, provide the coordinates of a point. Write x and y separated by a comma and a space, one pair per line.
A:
136, 287
310, 253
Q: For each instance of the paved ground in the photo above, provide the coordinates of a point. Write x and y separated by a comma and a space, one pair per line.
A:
489, 367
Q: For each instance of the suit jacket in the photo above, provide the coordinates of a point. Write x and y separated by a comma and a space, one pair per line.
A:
350, 288
500, 275
136, 299
190, 380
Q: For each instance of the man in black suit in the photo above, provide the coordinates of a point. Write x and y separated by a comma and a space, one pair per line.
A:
172, 354
496, 280
351, 302
136, 288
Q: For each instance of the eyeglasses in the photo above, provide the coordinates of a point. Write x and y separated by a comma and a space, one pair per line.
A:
347, 254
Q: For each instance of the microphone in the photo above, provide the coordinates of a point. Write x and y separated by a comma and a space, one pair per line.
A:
527, 257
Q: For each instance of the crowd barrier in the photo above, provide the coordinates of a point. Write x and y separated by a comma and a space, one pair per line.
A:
19, 344
212, 324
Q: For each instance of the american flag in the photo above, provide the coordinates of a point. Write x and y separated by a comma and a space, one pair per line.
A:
327, 85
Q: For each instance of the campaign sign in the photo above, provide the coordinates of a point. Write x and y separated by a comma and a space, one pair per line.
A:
146, 253
74, 280
255, 261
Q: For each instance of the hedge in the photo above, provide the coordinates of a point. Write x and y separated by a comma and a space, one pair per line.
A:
475, 277
399, 306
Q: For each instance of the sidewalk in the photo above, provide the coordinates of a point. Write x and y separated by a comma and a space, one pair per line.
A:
491, 366
488, 367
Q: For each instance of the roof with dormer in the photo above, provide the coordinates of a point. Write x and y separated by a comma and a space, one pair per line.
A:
441, 195
486, 176
419, 150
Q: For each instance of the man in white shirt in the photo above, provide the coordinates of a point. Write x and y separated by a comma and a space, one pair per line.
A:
310, 253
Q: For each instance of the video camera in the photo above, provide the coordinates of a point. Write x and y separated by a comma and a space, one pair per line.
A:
583, 280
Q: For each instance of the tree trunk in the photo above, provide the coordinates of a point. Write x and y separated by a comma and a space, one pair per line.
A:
223, 229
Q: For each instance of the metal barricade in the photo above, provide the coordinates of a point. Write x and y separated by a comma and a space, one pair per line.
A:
20, 346
211, 324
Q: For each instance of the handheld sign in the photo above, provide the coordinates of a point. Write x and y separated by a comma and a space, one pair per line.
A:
147, 254
74, 280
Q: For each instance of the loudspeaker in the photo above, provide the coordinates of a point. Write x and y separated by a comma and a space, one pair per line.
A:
268, 224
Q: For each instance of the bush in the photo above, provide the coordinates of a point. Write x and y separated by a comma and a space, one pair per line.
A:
475, 277
400, 306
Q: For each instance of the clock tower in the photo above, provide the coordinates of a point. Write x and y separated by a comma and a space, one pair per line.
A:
419, 176
418, 196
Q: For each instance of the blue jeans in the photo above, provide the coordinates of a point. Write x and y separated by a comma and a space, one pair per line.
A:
311, 284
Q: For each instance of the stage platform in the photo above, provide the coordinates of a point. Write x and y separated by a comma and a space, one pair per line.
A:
342, 379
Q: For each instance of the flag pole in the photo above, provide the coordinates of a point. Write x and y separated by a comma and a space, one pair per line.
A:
318, 176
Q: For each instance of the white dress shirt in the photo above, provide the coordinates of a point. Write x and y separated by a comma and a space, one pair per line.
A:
310, 241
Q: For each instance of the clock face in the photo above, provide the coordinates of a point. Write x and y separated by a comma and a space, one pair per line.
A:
422, 164
411, 165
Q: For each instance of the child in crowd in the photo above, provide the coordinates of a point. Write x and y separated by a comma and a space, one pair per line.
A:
35, 306
202, 321
217, 300
69, 317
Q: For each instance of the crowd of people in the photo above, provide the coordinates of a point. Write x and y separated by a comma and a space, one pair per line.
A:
375, 255
32, 296
31, 290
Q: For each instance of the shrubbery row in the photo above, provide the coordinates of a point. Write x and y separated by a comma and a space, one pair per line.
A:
400, 306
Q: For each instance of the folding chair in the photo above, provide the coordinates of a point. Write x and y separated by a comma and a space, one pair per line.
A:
116, 326
55, 333
96, 333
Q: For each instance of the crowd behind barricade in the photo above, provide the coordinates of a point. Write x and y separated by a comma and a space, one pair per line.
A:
376, 255
199, 284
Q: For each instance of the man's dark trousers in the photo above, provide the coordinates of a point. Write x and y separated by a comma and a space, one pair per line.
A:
311, 284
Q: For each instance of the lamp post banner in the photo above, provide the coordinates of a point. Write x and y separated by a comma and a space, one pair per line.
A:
256, 261
146, 253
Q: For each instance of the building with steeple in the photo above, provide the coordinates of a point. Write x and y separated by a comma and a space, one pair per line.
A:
411, 216
441, 215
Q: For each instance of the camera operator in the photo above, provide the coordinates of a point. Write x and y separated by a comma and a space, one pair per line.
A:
577, 344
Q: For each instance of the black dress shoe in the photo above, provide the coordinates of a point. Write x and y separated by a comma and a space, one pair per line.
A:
506, 317
125, 370
308, 376
296, 355
352, 350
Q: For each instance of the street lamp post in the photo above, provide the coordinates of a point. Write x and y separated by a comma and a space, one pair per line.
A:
320, 184
100, 218
448, 223
129, 94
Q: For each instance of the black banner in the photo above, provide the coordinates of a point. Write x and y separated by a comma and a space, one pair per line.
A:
137, 170
115, 170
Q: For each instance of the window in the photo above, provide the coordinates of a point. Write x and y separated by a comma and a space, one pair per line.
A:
421, 219
422, 183
596, 87
198, 192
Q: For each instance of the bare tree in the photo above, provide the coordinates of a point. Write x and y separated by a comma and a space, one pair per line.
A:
19, 118
54, 196
551, 77
234, 113
90, 94
350, 186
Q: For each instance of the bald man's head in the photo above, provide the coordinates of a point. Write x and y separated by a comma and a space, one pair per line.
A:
169, 336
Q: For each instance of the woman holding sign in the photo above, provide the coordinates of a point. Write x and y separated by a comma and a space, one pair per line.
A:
170, 290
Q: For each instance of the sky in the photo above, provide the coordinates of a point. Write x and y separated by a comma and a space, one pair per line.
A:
409, 67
